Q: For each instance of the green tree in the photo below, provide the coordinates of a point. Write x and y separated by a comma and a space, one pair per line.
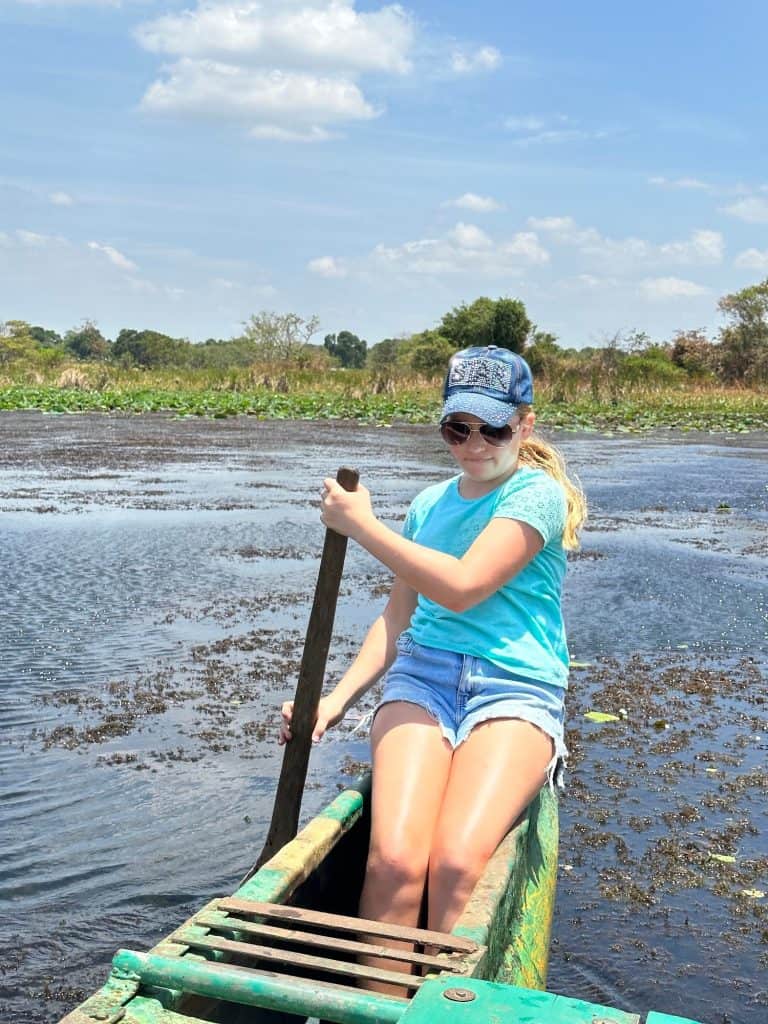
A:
16, 342
466, 326
87, 341
503, 322
744, 341
384, 356
543, 353
222, 354
46, 338
693, 352
429, 353
281, 337
150, 349
347, 348
651, 367
511, 325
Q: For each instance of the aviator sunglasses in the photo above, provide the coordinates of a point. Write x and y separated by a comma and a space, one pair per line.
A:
456, 432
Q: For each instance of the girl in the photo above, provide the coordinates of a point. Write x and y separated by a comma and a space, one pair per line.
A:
470, 723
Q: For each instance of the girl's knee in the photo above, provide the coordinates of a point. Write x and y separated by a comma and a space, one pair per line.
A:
453, 865
397, 865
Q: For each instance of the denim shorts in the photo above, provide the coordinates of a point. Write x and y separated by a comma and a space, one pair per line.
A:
460, 691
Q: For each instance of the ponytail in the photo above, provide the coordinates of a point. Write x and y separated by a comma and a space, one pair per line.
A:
540, 454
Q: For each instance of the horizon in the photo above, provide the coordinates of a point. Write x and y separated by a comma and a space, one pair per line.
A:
178, 166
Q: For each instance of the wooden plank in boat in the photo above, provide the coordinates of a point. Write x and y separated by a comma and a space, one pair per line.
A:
317, 940
305, 961
358, 925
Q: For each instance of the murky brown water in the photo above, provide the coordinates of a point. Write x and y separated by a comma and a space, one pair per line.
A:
157, 575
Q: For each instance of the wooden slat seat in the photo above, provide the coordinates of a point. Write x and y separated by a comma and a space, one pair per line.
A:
331, 945
337, 922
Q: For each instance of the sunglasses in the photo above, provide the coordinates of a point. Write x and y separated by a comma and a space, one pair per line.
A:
457, 432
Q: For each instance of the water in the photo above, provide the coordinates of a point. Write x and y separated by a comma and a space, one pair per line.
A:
157, 576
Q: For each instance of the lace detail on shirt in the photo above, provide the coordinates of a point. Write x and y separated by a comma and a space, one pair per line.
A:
540, 502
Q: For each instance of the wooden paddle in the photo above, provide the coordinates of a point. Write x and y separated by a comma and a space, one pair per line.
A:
290, 787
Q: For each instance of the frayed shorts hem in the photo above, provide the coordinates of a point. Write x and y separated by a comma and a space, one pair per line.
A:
461, 691
555, 770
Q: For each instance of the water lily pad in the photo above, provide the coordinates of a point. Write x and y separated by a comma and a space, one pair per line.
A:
601, 716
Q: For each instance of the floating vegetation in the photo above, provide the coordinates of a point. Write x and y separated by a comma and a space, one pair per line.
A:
601, 716
732, 411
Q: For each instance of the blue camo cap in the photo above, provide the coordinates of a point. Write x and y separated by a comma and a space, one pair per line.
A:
488, 383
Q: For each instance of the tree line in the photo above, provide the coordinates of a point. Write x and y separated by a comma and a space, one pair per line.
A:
738, 354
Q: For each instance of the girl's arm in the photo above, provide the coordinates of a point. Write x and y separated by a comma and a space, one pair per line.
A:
503, 548
374, 658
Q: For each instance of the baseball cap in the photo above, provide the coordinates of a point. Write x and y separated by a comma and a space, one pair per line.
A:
488, 383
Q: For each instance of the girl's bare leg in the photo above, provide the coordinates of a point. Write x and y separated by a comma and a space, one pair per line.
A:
411, 763
494, 775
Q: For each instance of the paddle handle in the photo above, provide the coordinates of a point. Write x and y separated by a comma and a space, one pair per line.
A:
290, 786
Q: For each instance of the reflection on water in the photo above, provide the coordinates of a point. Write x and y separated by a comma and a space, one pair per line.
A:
157, 576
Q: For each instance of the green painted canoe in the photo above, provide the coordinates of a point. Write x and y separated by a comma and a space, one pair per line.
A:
285, 945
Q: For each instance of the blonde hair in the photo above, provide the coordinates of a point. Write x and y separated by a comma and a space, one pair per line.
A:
540, 454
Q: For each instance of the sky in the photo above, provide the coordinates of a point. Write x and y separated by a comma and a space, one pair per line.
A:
182, 164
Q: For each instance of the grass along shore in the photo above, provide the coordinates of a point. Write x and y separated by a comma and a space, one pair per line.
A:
360, 395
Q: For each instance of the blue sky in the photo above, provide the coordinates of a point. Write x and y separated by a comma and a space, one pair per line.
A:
181, 164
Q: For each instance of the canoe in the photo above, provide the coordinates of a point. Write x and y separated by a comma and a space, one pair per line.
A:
286, 945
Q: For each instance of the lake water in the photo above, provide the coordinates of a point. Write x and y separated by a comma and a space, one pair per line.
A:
157, 577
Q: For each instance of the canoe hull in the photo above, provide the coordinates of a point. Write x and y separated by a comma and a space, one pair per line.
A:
507, 922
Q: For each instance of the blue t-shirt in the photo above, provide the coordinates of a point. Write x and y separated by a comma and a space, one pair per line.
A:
520, 627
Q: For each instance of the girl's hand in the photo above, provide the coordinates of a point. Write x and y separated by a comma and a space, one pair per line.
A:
328, 715
346, 512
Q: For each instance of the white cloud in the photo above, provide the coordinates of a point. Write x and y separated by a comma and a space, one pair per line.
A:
474, 202
563, 227
693, 183
277, 134
702, 248
533, 130
753, 259
34, 240
327, 266
556, 136
318, 34
71, 3
287, 68
282, 104
465, 62
526, 124
660, 289
587, 283
526, 246
753, 210
61, 199
113, 255
463, 250
468, 236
